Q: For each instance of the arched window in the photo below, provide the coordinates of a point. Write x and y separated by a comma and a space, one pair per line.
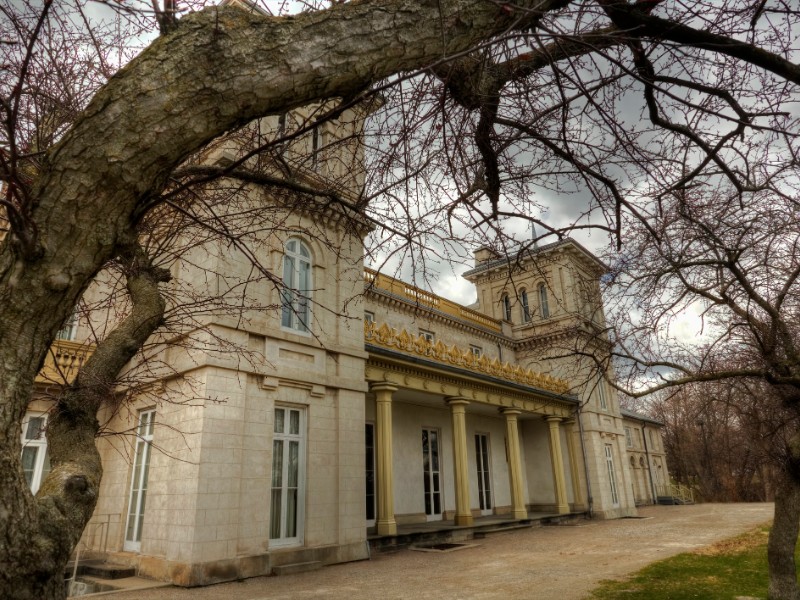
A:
506, 307
296, 294
526, 309
543, 305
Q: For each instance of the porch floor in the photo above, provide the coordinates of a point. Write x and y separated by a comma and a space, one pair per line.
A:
447, 531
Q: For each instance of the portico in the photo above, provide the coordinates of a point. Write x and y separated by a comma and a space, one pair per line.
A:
449, 438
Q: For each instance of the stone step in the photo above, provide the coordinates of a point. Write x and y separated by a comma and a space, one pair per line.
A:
302, 567
104, 570
503, 529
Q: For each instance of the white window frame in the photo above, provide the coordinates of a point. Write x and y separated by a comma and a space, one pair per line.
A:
296, 301
430, 336
41, 461
506, 307
69, 331
477, 351
286, 437
612, 475
137, 491
601, 394
526, 307
369, 316
544, 304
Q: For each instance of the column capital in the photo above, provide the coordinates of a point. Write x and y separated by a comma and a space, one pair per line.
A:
553, 419
456, 401
382, 386
510, 411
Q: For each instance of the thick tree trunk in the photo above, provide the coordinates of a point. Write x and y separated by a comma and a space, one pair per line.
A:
786, 524
40, 534
783, 541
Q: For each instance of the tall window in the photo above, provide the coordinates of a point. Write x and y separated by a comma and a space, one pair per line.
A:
296, 294
544, 307
35, 459
601, 394
628, 438
70, 328
526, 308
612, 476
139, 477
506, 307
288, 477
369, 446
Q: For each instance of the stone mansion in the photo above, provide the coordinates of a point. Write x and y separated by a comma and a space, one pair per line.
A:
366, 408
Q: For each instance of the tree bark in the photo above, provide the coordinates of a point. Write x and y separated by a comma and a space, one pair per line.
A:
783, 540
37, 546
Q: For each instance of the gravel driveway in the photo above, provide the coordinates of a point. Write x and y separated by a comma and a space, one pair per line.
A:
553, 562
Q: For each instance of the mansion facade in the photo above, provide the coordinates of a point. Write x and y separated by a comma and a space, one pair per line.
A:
363, 407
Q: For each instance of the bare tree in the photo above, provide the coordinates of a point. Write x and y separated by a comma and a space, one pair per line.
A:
539, 93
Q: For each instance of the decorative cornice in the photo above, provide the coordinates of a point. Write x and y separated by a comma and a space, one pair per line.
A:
389, 337
412, 296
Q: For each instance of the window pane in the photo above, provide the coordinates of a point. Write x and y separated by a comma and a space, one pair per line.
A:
34, 430
29, 462
277, 463
275, 515
279, 415
294, 464
294, 422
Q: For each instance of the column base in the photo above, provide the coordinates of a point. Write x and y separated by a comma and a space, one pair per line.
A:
386, 527
461, 520
563, 509
519, 514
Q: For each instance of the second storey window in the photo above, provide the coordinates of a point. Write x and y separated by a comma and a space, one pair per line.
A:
526, 308
70, 328
296, 293
477, 351
35, 459
506, 308
428, 335
543, 305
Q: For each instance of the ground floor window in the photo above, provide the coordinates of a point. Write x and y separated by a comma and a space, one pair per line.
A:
484, 475
369, 445
432, 483
612, 476
141, 468
288, 476
35, 458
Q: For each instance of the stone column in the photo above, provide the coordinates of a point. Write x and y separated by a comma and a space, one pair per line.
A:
384, 476
518, 508
558, 466
458, 412
574, 465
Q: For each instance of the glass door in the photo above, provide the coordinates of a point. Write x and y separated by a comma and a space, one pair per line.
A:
432, 484
141, 468
287, 501
484, 476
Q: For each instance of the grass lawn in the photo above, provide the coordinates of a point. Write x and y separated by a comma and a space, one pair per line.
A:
734, 567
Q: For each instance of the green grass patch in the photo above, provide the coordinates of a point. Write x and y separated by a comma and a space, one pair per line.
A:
734, 567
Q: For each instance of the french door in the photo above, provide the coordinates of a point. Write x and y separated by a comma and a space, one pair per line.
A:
369, 447
138, 495
288, 477
432, 484
484, 476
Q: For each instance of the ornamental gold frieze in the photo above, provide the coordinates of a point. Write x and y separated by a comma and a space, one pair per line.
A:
388, 337
411, 378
